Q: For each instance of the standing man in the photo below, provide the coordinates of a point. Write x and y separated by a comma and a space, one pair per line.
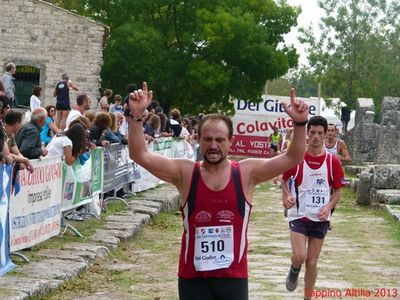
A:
334, 145
345, 117
61, 92
216, 198
8, 82
82, 104
317, 180
28, 137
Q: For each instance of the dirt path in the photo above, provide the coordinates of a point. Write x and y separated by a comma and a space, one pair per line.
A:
360, 255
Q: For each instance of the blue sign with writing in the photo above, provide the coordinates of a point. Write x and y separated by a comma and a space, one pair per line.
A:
5, 187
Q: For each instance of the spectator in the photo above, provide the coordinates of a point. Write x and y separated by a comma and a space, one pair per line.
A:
111, 134
70, 143
2, 89
12, 123
153, 106
120, 120
163, 121
174, 127
82, 104
345, 118
35, 101
5, 156
85, 122
123, 128
8, 82
28, 137
63, 107
90, 116
117, 107
130, 88
49, 128
186, 132
155, 123
97, 131
104, 105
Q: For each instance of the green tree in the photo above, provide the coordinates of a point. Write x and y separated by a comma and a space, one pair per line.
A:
196, 55
341, 58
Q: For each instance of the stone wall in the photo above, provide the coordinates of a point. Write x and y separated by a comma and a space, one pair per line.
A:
389, 132
36, 33
362, 140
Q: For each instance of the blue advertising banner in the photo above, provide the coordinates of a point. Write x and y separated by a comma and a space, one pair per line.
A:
5, 188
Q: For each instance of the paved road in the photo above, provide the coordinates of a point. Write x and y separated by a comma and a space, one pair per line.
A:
359, 258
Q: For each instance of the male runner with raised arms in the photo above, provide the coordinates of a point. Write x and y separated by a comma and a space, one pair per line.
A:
216, 198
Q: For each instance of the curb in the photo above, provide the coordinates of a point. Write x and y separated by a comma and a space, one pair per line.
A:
39, 278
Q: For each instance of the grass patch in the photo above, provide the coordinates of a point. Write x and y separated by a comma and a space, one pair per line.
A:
263, 250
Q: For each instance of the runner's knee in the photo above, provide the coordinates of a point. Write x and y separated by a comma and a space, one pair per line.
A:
311, 262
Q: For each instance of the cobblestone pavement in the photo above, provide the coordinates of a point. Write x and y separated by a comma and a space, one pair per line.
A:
359, 258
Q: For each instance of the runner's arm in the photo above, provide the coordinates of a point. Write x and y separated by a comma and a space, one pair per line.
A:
325, 211
344, 152
265, 169
164, 168
288, 200
262, 170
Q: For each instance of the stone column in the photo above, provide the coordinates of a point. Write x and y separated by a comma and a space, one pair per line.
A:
362, 140
388, 141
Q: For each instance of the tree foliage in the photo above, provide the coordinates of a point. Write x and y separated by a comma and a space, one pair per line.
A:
196, 55
357, 53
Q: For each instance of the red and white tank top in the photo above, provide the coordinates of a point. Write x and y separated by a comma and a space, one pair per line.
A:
314, 190
214, 240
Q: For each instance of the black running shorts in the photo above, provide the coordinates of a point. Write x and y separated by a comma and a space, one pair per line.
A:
213, 288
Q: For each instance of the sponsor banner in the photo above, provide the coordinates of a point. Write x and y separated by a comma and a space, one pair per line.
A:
143, 179
35, 211
256, 121
254, 146
77, 188
6, 264
116, 164
97, 158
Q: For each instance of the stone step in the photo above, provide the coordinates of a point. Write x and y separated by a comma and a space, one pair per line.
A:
391, 197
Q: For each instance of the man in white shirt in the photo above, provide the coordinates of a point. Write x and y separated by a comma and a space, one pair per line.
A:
82, 104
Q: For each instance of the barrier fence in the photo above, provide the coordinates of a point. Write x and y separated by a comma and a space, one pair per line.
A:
32, 212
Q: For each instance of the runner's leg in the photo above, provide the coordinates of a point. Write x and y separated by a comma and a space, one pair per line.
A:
313, 251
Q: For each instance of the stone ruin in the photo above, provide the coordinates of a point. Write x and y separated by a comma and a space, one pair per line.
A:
362, 139
376, 150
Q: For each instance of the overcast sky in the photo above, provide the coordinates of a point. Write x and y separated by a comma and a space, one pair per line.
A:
311, 13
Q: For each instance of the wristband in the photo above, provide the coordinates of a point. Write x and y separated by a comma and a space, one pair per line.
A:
302, 123
138, 119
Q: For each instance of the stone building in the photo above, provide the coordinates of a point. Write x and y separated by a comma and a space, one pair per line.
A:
44, 41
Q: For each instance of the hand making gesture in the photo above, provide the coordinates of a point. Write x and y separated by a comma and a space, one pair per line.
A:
298, 110
139, 101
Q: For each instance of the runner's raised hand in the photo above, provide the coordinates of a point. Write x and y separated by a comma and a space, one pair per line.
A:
139, 100
298, 110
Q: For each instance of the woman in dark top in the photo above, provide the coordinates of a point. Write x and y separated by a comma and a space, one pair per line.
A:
97, 132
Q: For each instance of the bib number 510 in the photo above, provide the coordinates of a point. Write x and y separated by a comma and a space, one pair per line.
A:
212, 246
